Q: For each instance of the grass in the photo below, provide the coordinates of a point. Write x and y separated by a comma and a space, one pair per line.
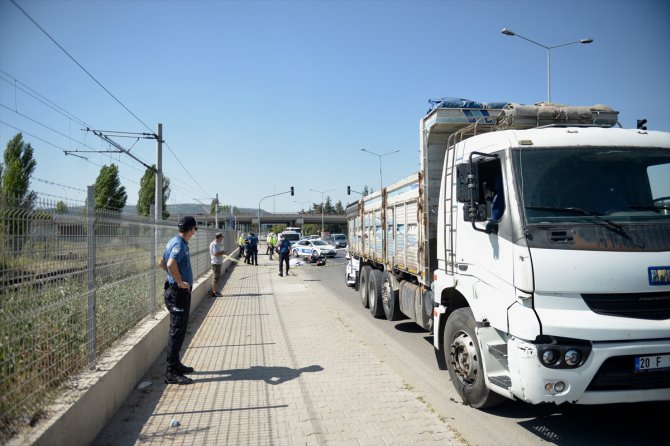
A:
43, 325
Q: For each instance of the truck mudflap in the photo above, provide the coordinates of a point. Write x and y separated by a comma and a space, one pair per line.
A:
590, 382
441, 281
439, 312
351, 272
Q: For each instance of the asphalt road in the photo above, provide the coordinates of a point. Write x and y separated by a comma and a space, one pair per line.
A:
408, 349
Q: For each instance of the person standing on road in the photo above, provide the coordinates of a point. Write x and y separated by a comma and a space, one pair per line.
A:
284, 250
272, 243
216, 253
247, 248
240, 243
253, 246
176, 262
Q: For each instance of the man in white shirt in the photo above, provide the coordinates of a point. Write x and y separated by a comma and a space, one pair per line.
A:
216, 253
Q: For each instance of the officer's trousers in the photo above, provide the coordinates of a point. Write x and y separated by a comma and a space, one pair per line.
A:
178, 302
283, 258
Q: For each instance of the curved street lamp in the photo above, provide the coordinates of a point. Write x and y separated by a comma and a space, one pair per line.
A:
509, 32
320, 192
381, 182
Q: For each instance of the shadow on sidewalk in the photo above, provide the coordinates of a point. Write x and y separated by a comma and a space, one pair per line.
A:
271, 375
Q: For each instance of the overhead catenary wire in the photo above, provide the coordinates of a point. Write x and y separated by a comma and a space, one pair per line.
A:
107, 91
68, 152
174, 187
189, 173
40, 98
80, 65
51, 104
60, 148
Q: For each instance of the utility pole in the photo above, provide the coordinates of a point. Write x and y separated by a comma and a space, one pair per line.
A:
158, 195
216, 212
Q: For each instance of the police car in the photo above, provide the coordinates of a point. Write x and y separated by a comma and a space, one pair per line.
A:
306, 248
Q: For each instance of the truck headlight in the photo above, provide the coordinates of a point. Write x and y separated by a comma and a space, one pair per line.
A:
572, 357
549, 357
562, 353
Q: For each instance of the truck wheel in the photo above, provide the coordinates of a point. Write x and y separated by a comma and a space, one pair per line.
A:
464, 360
390, 298
375, 293
363, 285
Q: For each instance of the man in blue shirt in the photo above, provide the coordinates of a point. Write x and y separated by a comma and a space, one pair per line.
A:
253, 246
284, 250
176, 262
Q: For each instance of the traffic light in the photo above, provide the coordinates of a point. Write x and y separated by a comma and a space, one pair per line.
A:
291, 190
348, 190
641, 124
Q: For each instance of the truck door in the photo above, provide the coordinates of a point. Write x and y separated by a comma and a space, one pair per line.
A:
484, 239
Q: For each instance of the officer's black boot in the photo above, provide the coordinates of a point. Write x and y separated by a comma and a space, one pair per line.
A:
184, 369
173, 376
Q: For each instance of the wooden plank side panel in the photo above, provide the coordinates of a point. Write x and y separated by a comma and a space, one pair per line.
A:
411, 238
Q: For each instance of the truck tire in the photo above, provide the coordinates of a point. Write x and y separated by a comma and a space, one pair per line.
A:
464, 361
363, 285
390, 298
375, 293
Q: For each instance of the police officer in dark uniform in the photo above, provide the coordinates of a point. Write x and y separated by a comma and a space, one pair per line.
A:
177, 262
253, 245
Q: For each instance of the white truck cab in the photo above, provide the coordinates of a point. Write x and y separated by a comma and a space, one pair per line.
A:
566, 296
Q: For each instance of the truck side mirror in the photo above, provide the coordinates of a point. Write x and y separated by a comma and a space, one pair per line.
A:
468, 181
473, 213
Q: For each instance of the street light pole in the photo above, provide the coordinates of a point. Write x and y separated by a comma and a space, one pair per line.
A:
509, 32
381, 181
318, 191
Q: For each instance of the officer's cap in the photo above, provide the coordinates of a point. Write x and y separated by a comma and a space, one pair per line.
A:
186, 223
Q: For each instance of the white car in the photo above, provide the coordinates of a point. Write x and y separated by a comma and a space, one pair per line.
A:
340, 240
292, 237
306, 248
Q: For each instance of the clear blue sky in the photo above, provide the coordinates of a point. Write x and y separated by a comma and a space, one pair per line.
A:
258, 96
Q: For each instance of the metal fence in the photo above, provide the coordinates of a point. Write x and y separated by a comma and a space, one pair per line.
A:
72, 281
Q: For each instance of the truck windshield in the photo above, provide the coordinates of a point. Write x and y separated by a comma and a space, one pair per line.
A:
598, 184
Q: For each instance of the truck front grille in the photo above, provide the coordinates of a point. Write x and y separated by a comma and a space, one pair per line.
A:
653, 306
617, 373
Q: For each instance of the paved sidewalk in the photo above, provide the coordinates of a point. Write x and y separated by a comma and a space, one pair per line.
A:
275, 366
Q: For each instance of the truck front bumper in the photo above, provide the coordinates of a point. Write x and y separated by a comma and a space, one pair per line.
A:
607, 376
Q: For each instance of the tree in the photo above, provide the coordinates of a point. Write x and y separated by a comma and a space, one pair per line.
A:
15, 174
339, 209
212, 207
61, 207
147, 193
15, 193
328, 207
109, 194
311, 229
365, 190
278, 228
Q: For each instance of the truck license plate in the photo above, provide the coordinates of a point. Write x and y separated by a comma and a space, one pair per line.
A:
653, 362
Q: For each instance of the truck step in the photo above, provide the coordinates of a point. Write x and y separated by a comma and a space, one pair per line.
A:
504, 382
498, 350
